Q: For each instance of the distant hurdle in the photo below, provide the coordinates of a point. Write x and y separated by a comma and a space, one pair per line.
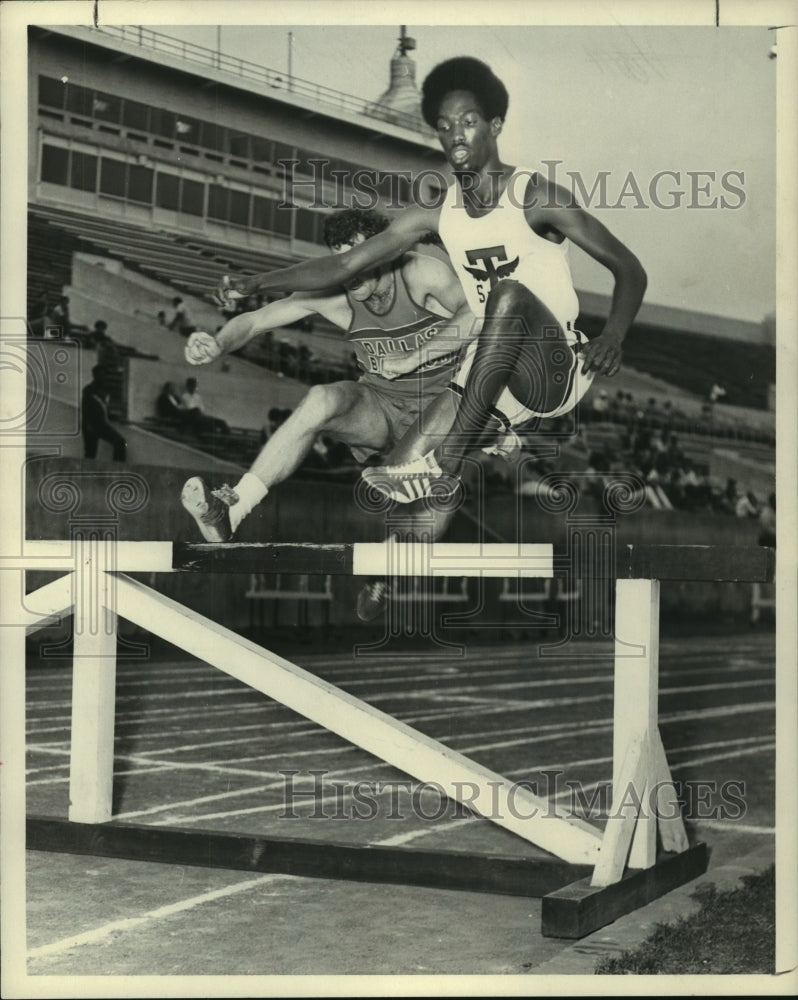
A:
587, 877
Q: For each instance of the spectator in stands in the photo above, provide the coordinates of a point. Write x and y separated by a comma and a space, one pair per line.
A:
289, 359
60, 316
730, 496
180, 321
109, 357
689, 486
39, 315
275, 419
201, 421
658, 445
618, 407
767, 523
601, 406
674, 452
95, 422
169, 407
747, 505
716, 393
305, 363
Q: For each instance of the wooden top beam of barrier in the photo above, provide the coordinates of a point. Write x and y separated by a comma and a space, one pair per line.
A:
369, 558
751, 563
631, 562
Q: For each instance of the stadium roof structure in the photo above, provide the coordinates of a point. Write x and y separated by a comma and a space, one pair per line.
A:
128, 42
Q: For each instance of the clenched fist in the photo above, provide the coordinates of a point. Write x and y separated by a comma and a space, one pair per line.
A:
202, 349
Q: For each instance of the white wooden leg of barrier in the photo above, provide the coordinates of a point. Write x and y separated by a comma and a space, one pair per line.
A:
636, 693
672, 833
93, 696
510, 805
625, 815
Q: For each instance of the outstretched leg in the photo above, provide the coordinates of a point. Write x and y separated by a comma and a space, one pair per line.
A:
342, 409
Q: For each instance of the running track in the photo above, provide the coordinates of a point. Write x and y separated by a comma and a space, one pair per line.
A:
196, 749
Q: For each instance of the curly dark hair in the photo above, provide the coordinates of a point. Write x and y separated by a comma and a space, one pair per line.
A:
463, 73
344, 226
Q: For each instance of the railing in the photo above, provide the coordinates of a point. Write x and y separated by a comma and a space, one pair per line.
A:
191, 52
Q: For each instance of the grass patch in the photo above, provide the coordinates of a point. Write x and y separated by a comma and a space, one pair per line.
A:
733, 933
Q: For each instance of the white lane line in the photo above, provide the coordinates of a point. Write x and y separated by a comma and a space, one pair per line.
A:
149, 766
731, 826
211, 692
101, 934
486, 689
174, 714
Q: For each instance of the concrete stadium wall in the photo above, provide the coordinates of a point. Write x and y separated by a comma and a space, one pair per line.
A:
110, 285
59, 434
242, 398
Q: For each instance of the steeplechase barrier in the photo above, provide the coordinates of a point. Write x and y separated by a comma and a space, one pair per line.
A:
586, 877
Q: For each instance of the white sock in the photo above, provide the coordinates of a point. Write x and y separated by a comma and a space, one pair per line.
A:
250, 492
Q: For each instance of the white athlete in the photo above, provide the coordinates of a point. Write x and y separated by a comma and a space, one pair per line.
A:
391, 315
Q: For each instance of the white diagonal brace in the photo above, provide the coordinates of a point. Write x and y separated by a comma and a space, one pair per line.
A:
515, 808
45, 606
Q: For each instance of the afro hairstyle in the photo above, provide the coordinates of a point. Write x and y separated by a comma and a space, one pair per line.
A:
463, 73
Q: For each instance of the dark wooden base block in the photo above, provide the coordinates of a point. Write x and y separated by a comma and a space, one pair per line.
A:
579, 908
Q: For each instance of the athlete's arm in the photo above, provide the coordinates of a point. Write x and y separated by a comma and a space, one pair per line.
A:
553, 208
203, 348
337, 269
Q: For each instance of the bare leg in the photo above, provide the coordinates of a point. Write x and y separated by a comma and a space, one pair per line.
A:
342, 409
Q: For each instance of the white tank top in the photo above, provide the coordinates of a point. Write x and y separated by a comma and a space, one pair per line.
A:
502, 245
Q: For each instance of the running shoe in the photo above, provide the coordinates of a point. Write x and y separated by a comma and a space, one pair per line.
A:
209, 508
422, 477
372, 599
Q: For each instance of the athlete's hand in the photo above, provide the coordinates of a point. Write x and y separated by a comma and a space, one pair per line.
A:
602, 355
399, 363
202, 349
230, 289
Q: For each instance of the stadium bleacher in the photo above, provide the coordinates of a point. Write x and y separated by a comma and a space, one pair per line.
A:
693, 361
189, 264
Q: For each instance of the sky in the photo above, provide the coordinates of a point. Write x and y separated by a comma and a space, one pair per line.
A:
630, 104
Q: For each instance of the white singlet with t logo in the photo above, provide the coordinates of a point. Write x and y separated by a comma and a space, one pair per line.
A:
501, 245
